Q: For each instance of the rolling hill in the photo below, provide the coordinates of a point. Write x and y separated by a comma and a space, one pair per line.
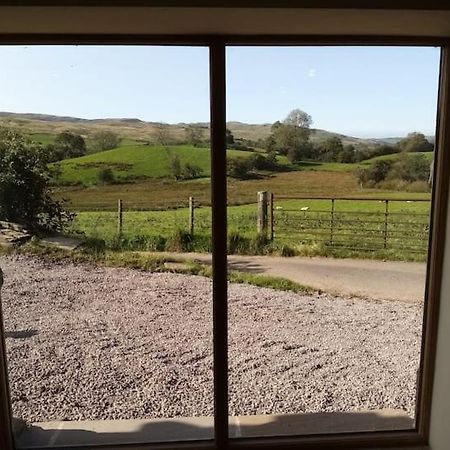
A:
136, 129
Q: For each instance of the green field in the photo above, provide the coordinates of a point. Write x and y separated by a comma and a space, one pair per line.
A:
134, 162
156, 217
302, 231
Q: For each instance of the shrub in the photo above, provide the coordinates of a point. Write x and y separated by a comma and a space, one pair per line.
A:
238, 244
24, 186
175, 167
238, 168
191, 171
180, 241
104, 140
287, 251
106, 176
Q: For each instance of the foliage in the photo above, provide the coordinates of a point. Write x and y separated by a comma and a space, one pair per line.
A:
24, 178
191, 171
291, 137
331, 148
347, 154
67, 145
106, 176
104, 140
229, 138
406, 167
415, 142
175, 167
162, 134
238, 168
194, 135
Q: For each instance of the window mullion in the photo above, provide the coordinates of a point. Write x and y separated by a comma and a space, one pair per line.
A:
219, 239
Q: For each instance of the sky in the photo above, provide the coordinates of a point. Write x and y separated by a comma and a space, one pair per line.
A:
358, 91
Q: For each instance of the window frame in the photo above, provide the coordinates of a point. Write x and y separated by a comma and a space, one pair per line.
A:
414, 438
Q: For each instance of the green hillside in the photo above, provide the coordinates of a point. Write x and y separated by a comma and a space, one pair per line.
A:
368, 162
131, 162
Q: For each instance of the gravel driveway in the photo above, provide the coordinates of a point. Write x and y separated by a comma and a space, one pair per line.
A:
89, 342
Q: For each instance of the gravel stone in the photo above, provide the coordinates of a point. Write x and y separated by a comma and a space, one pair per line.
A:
87, 342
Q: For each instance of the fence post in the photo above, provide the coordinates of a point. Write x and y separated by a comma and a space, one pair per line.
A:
119, 217
191, 215
272, 219
262, 219
386, 214
332, 222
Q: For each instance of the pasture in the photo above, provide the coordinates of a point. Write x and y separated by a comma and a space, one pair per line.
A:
300, 227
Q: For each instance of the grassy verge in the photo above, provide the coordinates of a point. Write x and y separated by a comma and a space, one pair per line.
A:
277, 283
149, 262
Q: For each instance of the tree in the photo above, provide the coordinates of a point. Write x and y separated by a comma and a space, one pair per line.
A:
162, 136
175, 167
415, 142
347, 155
291, 137
331, 148
299, 119
105, 140
69, 145
229, 138
194, 135
24, 179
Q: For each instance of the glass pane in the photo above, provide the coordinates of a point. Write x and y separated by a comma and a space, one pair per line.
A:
105, 192
330, 153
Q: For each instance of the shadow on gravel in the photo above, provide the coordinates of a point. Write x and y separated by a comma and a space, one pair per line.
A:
21, 334
172, 430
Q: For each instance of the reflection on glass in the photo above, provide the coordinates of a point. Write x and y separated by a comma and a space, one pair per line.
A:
329, 212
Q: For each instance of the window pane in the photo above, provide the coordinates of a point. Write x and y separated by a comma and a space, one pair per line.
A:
110, 341
329, 155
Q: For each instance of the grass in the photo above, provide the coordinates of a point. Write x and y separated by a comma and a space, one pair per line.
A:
131, 162
265, 281
92, 254
358, 223
163, 193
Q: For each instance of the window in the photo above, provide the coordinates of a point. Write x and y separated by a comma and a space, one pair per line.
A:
220, 139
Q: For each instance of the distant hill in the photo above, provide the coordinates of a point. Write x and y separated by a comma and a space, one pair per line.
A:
136, 129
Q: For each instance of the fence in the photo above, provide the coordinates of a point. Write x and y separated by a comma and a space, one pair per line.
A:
356, 223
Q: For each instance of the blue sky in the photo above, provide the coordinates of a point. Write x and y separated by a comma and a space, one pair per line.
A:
375, 91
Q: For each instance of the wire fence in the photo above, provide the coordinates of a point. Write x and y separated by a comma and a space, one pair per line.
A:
360, 224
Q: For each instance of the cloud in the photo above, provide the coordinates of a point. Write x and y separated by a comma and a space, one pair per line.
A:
312, 73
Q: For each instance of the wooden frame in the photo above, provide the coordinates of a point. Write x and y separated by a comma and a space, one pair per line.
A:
217, 46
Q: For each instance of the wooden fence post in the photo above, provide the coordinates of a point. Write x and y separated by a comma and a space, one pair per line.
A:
272, 219
386, 214
262, 219
332, 222
119, 217
191, 215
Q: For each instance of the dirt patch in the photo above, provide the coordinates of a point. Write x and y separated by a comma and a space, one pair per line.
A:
90, 342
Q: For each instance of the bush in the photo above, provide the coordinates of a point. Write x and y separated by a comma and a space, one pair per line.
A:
238, 168
238, 244
191, 171
106, 176
24, 186
104, 140
180, 241
175, 167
